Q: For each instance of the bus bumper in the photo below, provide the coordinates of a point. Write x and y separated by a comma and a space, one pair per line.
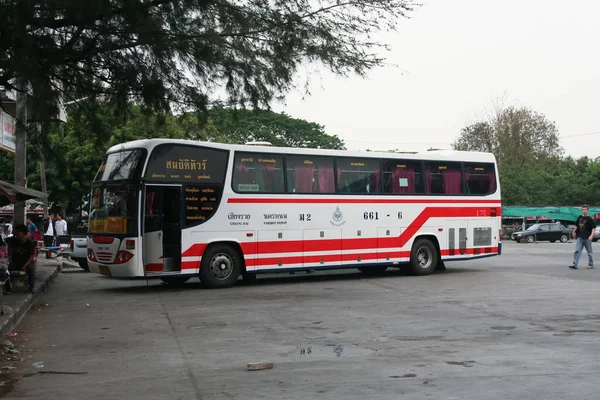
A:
127, 270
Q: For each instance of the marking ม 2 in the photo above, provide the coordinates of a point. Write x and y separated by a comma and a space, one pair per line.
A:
305, 217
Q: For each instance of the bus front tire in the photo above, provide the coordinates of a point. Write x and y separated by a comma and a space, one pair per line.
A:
221, 267
424, 257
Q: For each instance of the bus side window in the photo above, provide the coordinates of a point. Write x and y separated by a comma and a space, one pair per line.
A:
480, 178
358, 175
443, 178
402, 177
258, 173
310, 174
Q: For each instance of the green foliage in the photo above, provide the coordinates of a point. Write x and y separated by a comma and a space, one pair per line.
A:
516, 136
189, 53
532, 169
240, 126
75, 150
7, 166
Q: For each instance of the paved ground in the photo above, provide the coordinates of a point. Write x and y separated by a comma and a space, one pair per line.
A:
519, 326
19, 302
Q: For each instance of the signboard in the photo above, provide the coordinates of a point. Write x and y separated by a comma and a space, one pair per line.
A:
180, 163
7, 138
201, 202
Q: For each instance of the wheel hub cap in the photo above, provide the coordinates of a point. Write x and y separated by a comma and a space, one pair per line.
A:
424, 257
221, 266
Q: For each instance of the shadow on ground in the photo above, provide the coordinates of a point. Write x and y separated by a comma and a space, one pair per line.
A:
142, 285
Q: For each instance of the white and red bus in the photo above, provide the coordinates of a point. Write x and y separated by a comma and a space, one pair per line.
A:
176, 209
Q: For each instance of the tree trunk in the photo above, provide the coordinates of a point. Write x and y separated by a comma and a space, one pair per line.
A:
19, 213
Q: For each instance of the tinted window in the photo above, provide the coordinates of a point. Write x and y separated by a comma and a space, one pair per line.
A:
180, 163
545, 227
309, 174
402, 177
443, 178
555, 228
121, 165
480, 178
258, 173
358, 175
201, 202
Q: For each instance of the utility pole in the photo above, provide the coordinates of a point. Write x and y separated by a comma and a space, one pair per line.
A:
44, 188
20, 148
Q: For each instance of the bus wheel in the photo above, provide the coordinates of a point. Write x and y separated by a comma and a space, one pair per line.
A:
423, 257
220, 267
175, 280
372, 271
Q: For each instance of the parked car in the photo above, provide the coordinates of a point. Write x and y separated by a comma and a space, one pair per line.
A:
544, 232
79, 250
596, 234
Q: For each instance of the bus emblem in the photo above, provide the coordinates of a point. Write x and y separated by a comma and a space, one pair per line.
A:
338, 217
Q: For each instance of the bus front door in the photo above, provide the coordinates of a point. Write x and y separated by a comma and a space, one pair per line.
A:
162, 229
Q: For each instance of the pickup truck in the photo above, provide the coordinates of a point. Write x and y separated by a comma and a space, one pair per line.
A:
79, 250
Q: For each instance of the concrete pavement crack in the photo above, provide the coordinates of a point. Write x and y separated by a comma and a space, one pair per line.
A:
189, 371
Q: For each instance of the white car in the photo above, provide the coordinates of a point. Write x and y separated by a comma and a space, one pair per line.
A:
79, 251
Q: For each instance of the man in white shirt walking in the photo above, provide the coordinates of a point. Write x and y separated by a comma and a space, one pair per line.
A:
61, 230
61, 225
49, 233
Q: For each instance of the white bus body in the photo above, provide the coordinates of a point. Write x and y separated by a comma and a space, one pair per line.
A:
176, 209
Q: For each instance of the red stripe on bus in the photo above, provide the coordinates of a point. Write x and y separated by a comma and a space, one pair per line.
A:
103, 239
299, 246
190, 265
158, 267
440, 212
274, 261
241, 200
472, 251
330, 258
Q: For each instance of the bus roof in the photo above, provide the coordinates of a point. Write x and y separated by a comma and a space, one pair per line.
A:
446, 155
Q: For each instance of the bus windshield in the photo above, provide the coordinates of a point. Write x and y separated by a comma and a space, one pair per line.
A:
113, 208
121, 165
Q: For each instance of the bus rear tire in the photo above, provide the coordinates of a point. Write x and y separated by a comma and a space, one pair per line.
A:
372, 271
424, 257
221, 267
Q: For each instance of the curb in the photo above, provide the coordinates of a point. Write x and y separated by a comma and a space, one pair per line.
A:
21, 309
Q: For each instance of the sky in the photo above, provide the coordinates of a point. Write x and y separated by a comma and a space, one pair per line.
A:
453, 60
